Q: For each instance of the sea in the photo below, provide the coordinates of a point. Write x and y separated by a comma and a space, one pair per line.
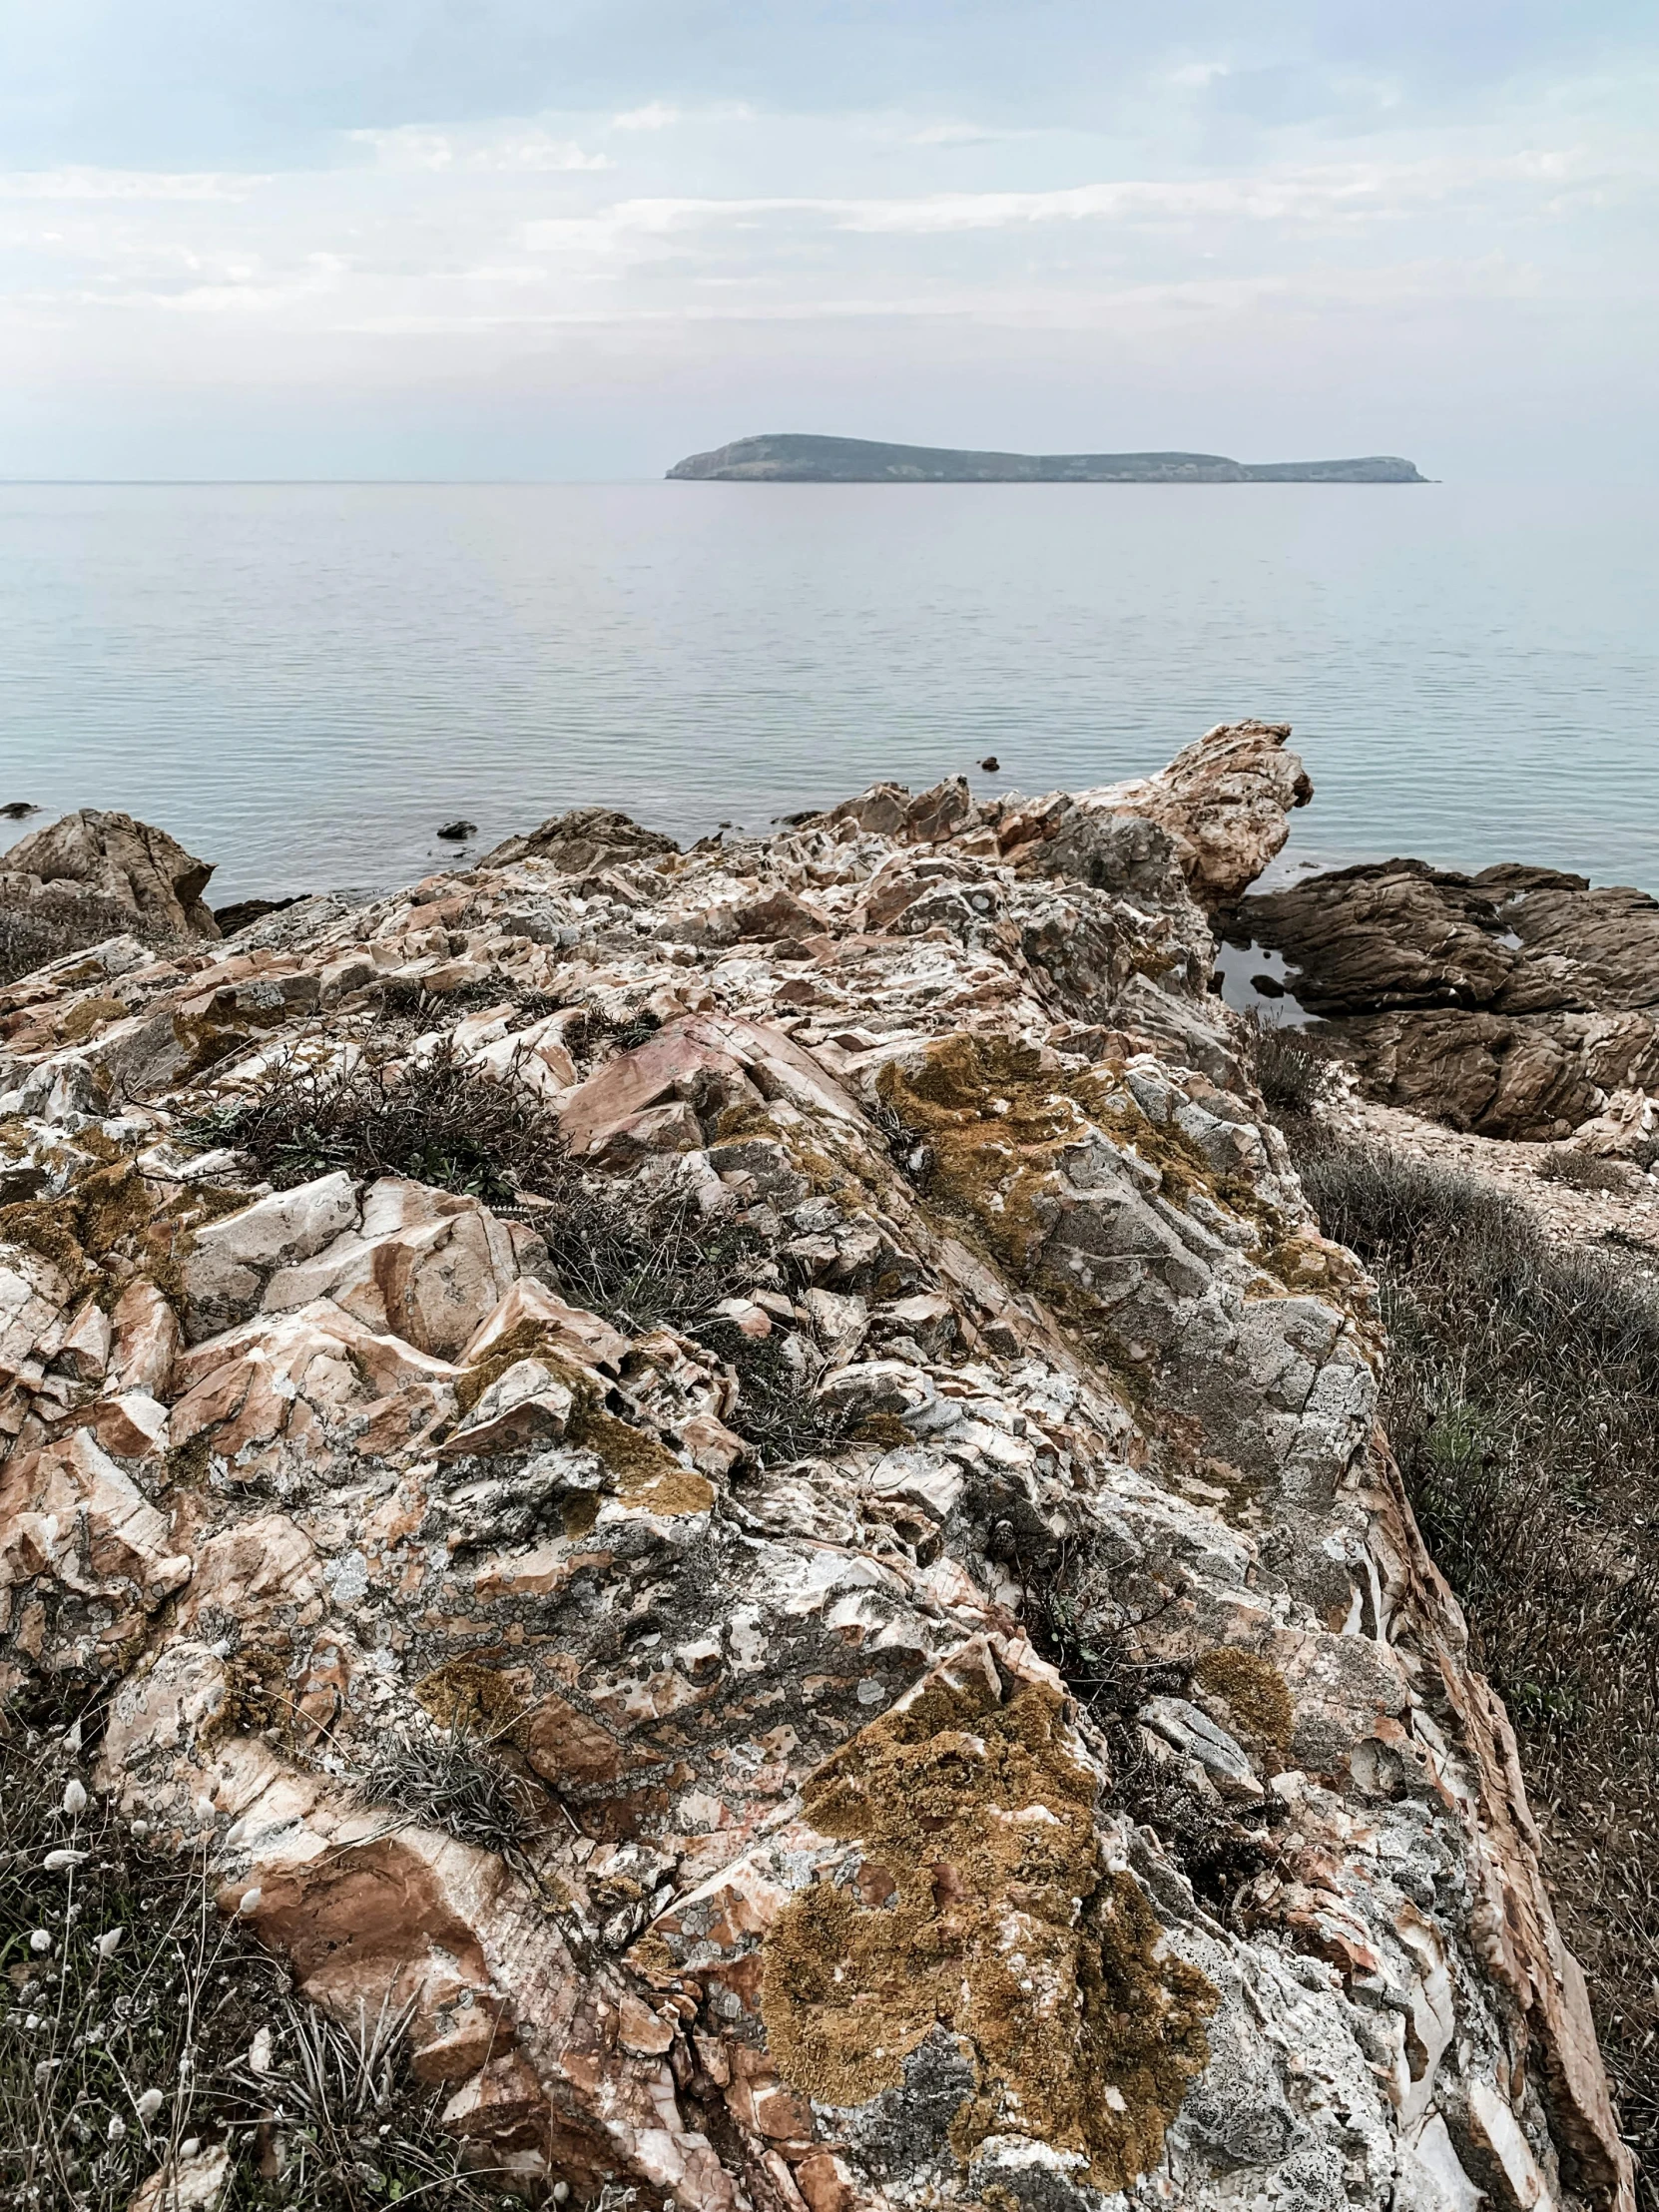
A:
303, 682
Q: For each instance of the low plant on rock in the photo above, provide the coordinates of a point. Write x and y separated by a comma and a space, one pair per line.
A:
143, 2035
434, 1120
1521, 1398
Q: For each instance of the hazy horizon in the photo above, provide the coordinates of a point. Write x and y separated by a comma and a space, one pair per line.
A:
560, 243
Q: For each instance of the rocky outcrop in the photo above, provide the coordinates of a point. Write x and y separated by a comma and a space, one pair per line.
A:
115, 857
1226, 803
1518, 1002
995, 1735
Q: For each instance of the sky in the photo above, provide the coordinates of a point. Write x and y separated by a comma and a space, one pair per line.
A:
579, 238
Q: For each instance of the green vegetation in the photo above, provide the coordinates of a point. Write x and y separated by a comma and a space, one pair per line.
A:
1521, 1399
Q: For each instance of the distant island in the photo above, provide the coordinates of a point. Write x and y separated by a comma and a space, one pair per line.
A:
787, 457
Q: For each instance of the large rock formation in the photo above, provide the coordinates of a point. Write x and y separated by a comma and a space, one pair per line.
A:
1518, 1002
996, 1733
115, 857
1225, 801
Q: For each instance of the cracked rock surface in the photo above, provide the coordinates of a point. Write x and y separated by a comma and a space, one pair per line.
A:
1038, 1766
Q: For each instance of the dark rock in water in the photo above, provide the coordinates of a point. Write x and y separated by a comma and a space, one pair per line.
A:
458, 831
19, 809
990, 764
245, 910
1511, 1002
1267, 986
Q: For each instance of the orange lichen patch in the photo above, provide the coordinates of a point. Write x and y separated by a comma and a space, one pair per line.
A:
529, 1340
995, 1124
90, 1013
466, 1695
1254, 1692
981, 1903
647, 1474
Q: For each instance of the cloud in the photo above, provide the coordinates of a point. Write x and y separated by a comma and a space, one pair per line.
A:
1367, 192
124, 184
411, 148
656, 114
662, 115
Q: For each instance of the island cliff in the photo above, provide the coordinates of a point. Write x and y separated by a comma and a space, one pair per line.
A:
792, 458
737, 1487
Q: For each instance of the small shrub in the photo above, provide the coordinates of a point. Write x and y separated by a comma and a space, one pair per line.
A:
1291, 1071
458, 1783
436, 1121
1521, 1398
1085, 1614
38, 931
778, 1411
1583, 1171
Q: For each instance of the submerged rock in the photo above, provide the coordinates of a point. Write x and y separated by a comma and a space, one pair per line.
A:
896, 1491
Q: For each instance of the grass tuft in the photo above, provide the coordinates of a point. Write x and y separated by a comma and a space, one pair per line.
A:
1290, 1070
436, 1121
1522, 1402
38, 931
140, 2028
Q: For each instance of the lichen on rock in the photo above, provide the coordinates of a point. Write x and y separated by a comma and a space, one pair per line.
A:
844, 1638
980, 1901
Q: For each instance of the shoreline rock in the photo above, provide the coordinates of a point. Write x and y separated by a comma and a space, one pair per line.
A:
860, 1881
1517, 1003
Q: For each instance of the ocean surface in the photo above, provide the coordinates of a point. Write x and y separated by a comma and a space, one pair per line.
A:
302, 681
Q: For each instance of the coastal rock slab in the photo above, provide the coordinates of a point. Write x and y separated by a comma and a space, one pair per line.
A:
891, 1498
138, 866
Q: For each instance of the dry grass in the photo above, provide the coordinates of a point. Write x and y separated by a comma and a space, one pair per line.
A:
1291, 1071
35, 931
129, 2013
1584, 1171
1085, 1615
1523, 1400
438, 1121
460, 1783
641, 1262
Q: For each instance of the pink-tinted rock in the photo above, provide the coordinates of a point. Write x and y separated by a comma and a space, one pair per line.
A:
122, 859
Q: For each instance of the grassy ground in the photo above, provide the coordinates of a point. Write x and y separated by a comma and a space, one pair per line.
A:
1522, 1402
140, 2032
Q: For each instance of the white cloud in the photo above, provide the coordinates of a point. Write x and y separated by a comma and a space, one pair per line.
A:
656, 114
410, 148
124, 184
662, 115
1342, 193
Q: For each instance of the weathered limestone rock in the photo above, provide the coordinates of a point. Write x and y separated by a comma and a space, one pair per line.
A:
120, 858
832, 1615
1225, 802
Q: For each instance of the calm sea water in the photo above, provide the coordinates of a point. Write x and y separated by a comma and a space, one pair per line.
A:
303, 681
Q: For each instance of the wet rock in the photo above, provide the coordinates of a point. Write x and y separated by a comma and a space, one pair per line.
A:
1514, 1002
246, 911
